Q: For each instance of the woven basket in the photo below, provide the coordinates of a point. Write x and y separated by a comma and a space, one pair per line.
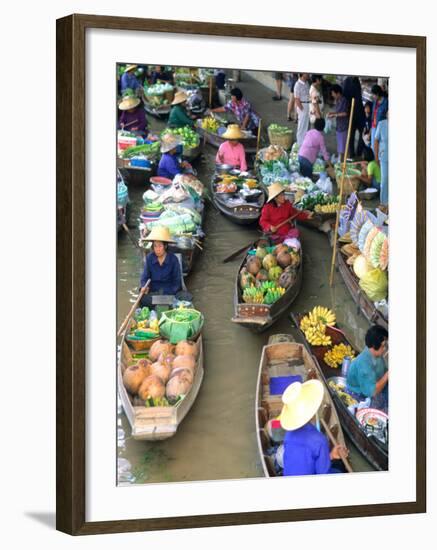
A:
283, 140
141, 345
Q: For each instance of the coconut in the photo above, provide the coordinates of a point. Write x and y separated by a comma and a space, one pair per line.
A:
185, 361
162, 370
253, 265
186, 347
284, 259
152, 386
295, 259
167, 359
176, 386
134, 376
286, 279
246, 279
158, 347
269, 261
261, 252
262, 275
280, 248
184, 373
275, 272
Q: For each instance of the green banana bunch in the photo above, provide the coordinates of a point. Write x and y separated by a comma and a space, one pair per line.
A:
272, 295
253, 295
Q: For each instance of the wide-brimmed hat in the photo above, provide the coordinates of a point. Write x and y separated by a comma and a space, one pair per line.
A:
129, 102
274, 190
169, 142
160, 234
233, 131
130, 68
301, 402
180, 97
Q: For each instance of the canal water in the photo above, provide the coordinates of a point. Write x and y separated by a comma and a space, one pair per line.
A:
217, 439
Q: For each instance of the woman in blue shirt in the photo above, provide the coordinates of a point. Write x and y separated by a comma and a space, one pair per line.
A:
306, 449
161, 267
367, 376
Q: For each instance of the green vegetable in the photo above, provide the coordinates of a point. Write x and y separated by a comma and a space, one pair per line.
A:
277, 129
145, 149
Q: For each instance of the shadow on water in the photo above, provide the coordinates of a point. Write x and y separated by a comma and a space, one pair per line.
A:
217, 438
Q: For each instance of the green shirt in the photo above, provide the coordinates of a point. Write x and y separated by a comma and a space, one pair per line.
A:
374, 171
364, 372
179, 118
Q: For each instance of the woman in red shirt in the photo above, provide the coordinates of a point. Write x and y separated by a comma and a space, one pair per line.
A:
277, 210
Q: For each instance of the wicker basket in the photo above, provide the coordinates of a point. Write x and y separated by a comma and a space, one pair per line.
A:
141, 345
283, 140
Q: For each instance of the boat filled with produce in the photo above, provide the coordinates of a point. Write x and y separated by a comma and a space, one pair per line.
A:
160, 369
268, 281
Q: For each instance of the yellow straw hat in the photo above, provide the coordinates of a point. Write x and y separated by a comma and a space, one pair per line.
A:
233, 131
301, 402
274, 190
160, 234
129, 102
180, 97
130, 68
169, 142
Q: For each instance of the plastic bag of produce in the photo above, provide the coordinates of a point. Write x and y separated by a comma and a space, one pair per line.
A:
375, 284
180, 324
324, 184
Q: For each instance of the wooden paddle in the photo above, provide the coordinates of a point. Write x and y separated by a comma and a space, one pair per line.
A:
133, 308
129, 124
335, 443
126, 228
291, 218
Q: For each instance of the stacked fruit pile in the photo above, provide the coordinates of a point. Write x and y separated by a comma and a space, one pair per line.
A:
334, 357
268, 272
314, 326
210, 124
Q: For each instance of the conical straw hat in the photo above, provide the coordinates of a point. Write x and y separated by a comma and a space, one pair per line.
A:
301, 402
233, 131
179, 97
130, 68
160, 234
129, 102
274, 190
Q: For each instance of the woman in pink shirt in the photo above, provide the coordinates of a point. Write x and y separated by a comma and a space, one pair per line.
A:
313, 144
231, 151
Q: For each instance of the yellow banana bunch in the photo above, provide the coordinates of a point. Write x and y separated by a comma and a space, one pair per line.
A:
326, 208
314, 326
322, 315
334, 357
154, 325
210, 124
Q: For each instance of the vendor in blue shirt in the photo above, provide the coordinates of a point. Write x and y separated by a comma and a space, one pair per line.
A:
129, 80
161, 267
367, 376
169, 164
306, 449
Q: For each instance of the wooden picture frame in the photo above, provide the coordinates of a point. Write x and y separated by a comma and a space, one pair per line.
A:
71, 253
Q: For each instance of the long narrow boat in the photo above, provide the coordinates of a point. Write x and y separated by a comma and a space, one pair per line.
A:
161, 111
373, 450
216, 140
318, 221
259, 317
284, 357
366, 306
236, 209
155, 423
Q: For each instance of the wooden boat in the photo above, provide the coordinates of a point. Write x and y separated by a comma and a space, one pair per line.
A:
155, 423
162, 111
364, 303
242, 212
135, 175
373, 450
284, 357
193, 153
318, 221
259, 317
216, 140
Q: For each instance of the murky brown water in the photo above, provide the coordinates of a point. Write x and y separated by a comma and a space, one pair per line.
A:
217, 438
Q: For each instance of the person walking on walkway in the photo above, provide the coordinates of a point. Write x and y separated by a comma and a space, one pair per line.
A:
352, 89
302, 101
279, 78
381, 157
292, 79
379, 110
316, 98
341, 114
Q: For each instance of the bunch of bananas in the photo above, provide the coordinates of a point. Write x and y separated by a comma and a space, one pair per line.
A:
273, 294
210, 124
267, 285
323, 315
314, 326
326, 208
253, 295
156, 402
334, 357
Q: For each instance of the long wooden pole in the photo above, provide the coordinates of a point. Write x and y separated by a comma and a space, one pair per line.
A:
335, 443
258, 137
343, 171
210, 91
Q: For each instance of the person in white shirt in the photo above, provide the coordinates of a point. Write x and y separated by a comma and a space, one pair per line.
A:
316, 98
302, 102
